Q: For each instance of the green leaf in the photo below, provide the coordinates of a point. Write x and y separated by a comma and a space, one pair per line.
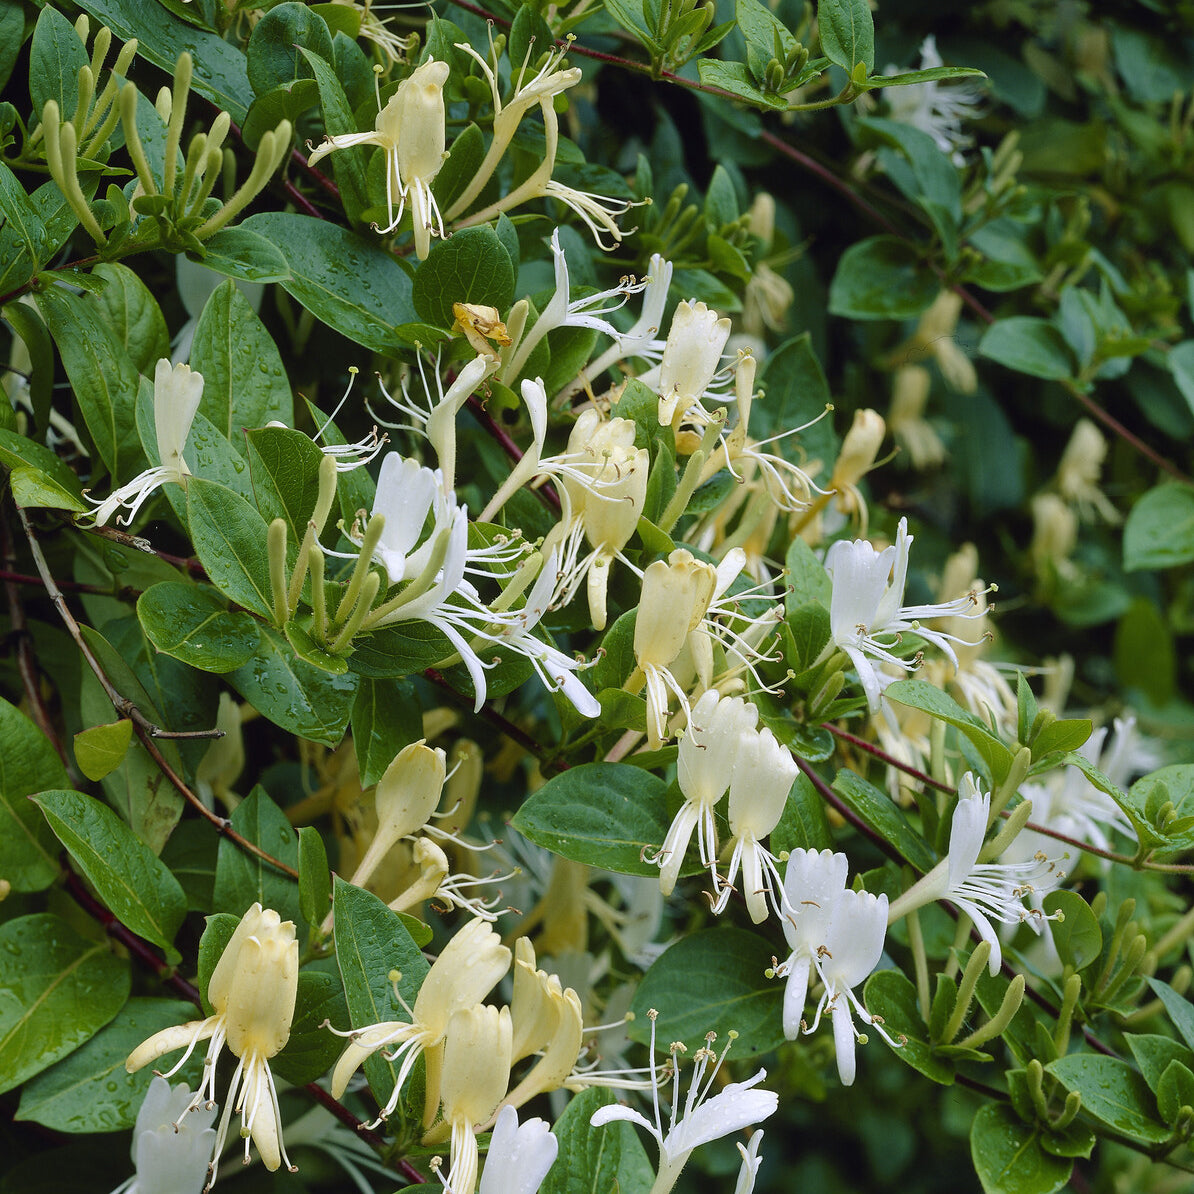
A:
12, 32
230, 541
29, 326
1112, 1093
294, 694
804, 824
128, 877
284, 466
596, 1160
60, 989
133, 315
190, 623
1028, 345
22, 234
312, 1050
1143, 651
1153, 1054
1180, 1010
348, 281
104, 379
933, 74
713, 981
472, 266
1175, 1091
239, 253
882, 278
273, 52
101, 749
806, 577
1008, 1156
245, 383
243, 878
34, 489
796, 392
735, 78
91, 1091
1065, 735
1160, 529
847, 33
28, 853
55, 55
934, 702
348, 164
385, 717
891, 995
315, 881
883, 816
1078, 938
603, 814
370, 942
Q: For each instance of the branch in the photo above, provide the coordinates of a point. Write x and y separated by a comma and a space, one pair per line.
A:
145, 730
884, 757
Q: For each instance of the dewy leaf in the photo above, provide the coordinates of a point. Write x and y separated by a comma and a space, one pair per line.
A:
890, 994
22, 235
603, 814
28, 854
244, 380
1077, 937
315, 881
230, 541
91, 1091
1112, 1093
882, 278
59, 990
713, 981
1180, 1010
847, 33
294, 694
884, 817
472, 266
1008, 1156
104, 379
349, 282
385, 718
1160, 529
99, 750
348, 165
596, 1160
127, 876
55, 56
311, 1050
18, 452
191, 623
133, 315
284, 466
243, 878
370, 942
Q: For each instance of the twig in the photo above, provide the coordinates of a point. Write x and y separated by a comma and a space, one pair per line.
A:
145, 730
137, 543
835, 801
884, 757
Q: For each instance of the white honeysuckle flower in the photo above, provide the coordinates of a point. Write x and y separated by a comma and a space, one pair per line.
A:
985, 891
252, 989
564, 312
642, 338
177, 391
691, 359
750, 1163
866, 613
436, 882
936, 108
1080, 470
467, 969
172, 1142
717, 730
837, 933
764, 772
519, 1156
435, 418
411, 129
736, 1106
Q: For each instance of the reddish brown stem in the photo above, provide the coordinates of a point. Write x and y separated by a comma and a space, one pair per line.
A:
884, 757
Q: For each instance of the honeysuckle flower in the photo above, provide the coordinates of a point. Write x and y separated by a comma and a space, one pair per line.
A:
435, 418
563, 311
936, 108
856, 458
1079, 471
519, 1156
252, 989
176, 394
411, 131
736, 1106
718, 728
172, 1142
866, 613
691, 358
750, 1163
1054, 534
763, 774
476, 1070
642, 338
467, 969
985, 891
836, 932
435, 882
909, 428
